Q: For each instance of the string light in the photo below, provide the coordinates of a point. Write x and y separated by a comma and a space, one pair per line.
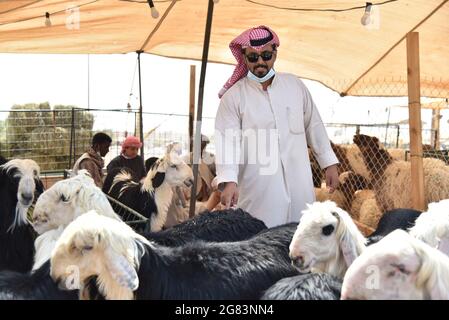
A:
366, 18
154, 12
47, 19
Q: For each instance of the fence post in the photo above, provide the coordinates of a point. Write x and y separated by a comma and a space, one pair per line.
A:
397, 135
72, 139
191, 107
414, 107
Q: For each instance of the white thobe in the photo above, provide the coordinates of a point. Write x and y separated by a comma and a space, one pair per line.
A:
253, 125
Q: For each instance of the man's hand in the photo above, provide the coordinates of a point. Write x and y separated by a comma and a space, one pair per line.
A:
230, 195
332, 181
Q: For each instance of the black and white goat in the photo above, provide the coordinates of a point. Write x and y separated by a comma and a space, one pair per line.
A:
128, 266
153, 195
391, 220
311, 286
215, 226
19, 186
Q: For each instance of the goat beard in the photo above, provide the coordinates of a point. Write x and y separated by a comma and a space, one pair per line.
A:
20, 218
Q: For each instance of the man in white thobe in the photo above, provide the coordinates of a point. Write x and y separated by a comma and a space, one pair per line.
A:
263, 126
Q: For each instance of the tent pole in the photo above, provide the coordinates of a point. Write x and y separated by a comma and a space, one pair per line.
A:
191, 107
199, 113
414, 110
140, 108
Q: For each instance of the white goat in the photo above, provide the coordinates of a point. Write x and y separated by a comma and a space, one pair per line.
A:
326, 240
398, 267
432, 226
43, 246
68, 199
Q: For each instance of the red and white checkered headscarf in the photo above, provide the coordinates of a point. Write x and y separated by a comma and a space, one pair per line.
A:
255, 38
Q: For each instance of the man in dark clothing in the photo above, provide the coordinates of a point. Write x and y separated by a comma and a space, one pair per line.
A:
129, 158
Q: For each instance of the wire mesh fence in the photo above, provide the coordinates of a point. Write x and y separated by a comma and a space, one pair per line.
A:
375, 168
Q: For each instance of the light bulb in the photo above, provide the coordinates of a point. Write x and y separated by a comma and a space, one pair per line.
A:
154, 12
366, 18
47, 19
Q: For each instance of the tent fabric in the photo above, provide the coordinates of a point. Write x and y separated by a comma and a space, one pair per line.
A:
331, 47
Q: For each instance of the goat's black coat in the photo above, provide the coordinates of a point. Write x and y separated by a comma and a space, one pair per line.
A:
228, 270
32, 286
218, 226
133, 196
16, 246
2, 160
311, 286
392, 220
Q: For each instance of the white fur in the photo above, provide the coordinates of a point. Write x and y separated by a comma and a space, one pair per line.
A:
44, 245
331, 254
432, 226
177, 173
68, 199
92, 243
398, 267
27, 171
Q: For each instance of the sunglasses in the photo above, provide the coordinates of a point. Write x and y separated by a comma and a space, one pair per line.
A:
254, 57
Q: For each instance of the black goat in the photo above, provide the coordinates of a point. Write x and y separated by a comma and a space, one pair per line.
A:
392, 220
215, 226
19, 186
311, 286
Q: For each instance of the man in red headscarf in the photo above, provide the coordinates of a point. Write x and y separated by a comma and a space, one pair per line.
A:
264, 124
129, 158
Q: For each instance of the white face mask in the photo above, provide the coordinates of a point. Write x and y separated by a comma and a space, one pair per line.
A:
268, 76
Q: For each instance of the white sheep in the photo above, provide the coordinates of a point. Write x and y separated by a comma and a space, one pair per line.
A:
68, 199
398, 267
432, 226
326, 240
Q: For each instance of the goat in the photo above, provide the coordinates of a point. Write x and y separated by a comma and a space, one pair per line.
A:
152, 197
36, 285
215, 226
66, 200
398, 267
391, 220
432, 226
326, 240
127, 265
19, 186
311, 286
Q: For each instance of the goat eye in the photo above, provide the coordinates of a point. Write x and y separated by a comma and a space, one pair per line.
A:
64, 199
35, 172
327, 230
173, 166
87, 248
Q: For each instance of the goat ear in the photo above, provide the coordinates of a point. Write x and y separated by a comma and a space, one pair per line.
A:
443, 245
347, 242
122, 271
158, 179
348, 248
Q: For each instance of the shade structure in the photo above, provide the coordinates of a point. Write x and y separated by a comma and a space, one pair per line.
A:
318, 40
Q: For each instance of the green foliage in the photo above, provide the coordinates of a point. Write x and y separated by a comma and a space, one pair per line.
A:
36, 131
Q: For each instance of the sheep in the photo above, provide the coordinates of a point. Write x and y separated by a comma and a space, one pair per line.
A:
216, 226
398, 267
311, 286
370, 212
152, 197
391, 179
128, 266
351, 159
360, 196
432, 226
19, 186
66, 200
